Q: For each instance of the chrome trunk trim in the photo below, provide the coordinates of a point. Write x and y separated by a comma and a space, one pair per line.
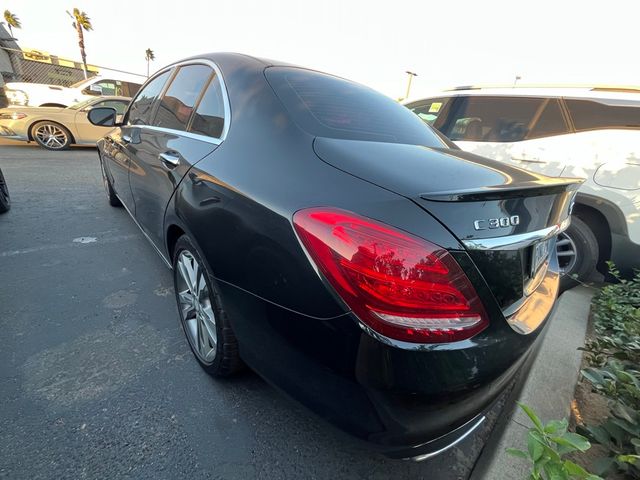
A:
518, 241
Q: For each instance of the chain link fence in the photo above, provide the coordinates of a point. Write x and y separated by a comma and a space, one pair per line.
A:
33, 66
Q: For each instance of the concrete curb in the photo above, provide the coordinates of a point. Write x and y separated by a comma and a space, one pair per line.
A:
548, 388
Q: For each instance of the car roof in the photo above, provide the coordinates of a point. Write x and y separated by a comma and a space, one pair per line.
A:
598, 92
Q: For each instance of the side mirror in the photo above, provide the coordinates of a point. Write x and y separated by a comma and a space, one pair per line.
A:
103, 116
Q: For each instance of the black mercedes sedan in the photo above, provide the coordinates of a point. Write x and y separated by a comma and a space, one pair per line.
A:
322, 234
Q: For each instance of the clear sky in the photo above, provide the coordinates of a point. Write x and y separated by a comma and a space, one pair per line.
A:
447, 43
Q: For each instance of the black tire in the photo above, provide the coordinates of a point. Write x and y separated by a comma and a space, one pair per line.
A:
62, 135
112, 198
5, 199
227, 357
585, 245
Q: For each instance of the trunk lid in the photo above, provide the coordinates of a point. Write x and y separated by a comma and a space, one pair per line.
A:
498, 212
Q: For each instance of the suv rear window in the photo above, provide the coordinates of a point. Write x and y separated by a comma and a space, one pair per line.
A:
590, 115
328, 106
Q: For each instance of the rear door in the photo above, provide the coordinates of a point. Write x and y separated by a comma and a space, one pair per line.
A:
519, 130
163, 152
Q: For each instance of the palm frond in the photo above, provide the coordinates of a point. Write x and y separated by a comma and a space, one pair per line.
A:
12, 20
81, 18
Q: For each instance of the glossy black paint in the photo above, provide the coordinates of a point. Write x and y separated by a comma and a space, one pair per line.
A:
236, 200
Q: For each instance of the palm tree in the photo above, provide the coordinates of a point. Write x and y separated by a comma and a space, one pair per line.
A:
12, 21
81, 22
149, 56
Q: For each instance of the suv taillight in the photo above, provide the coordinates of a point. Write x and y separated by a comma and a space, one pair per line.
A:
401, 286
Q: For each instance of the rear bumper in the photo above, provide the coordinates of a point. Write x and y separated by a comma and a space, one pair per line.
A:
405, 403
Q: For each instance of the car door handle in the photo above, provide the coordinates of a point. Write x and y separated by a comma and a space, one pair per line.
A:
170, 159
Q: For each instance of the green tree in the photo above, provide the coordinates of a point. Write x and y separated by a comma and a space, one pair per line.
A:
149, 56
81, 22
12, 21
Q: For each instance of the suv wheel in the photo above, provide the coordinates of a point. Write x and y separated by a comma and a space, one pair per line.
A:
577, 249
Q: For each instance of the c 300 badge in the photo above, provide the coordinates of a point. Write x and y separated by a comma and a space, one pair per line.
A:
502, 222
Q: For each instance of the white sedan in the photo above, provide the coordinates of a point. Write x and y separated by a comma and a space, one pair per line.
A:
56, 128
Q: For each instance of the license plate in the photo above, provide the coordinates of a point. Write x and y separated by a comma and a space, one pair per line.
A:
539, 255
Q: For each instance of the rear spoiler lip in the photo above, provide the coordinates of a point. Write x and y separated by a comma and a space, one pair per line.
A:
533, 188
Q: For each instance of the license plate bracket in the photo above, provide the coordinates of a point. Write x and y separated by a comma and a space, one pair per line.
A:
539, 255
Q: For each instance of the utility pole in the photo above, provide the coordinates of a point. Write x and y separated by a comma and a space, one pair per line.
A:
411, 75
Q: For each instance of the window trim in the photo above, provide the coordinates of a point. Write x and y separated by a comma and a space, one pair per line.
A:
173, 68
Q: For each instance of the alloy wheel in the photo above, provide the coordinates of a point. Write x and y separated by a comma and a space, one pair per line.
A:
51, 136
567, 253
196, 308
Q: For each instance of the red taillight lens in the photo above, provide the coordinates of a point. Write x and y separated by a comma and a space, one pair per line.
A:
401, 286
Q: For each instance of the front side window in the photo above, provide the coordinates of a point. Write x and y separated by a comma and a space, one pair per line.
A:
492, 119
328, 106
178, 102
590, 115
142, 105
429, 111
209, 117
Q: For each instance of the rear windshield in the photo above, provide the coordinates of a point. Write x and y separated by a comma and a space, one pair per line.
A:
328, 106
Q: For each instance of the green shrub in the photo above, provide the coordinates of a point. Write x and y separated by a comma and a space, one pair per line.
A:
546, 447
614, 358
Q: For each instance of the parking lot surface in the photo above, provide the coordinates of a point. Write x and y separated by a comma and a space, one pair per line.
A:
96, 377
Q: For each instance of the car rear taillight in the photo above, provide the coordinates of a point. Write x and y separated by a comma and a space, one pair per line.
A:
399, 285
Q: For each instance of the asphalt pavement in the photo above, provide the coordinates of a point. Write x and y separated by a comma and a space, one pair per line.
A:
96, 377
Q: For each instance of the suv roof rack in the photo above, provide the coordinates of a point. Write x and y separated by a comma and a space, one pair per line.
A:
591, 87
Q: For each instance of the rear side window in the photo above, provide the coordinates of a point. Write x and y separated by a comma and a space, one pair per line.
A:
328, 106
177, 104
431, 110
590, 115
109, 87
492, 119
209, 117
129, 89
142, 106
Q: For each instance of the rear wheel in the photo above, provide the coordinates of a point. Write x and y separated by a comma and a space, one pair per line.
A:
5, 200
577, 253
202, 316
51, 135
